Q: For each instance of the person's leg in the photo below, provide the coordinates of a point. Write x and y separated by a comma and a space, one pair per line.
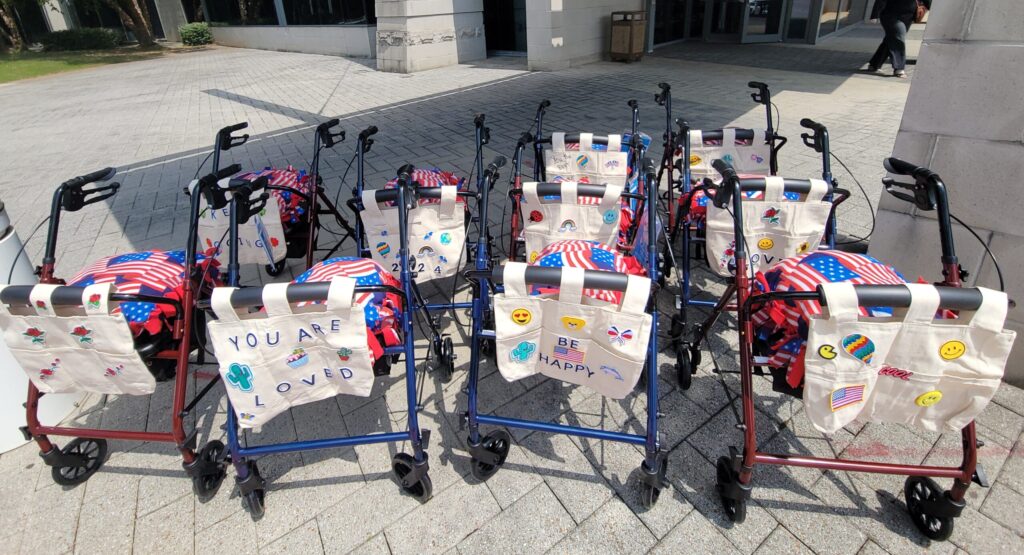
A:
898, 44
882, 52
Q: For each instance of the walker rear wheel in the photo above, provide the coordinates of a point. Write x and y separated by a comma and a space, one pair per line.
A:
920, 490
211, 458
684, 369
91, 454
497, 442
275, 269
162, 369
735, 509
402, 465
254, 499
446, 362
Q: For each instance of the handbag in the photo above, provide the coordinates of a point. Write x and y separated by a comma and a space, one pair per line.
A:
588, 164
283, 357
87, 348
437, 235
548, 222
261, 240
936, 375
599, 345
774, 227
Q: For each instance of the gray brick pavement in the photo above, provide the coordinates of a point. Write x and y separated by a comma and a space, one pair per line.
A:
155, 121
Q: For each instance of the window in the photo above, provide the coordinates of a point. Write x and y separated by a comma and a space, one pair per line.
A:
242, 12
329, 12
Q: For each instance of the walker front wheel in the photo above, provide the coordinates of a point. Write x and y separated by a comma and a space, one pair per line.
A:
275, 269
735, 509
497, 442
684, 369
212, 471
422, 489
921, 491
446, 362
83, 457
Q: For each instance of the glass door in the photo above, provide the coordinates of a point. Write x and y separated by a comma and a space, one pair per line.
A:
763, 21
723, 19
669, 21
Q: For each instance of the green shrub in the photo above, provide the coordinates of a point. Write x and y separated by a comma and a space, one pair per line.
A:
81, 39
195, 34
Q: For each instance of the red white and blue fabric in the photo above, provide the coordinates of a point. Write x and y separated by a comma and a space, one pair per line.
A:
293, 207
381, 309
433, 177
784, 324
155, 273
589, 255
699, 200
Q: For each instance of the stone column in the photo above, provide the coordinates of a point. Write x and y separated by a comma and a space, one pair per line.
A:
964, 120
414, 35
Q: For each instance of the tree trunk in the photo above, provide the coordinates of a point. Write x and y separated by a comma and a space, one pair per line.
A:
133, 19
9, 30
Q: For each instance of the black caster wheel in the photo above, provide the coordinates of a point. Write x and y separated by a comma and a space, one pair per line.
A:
402, 464
695, 358
211, 458
684, 369
162, 369
735, 509
254, 499
91, 454
651, 488
649, 495
497, 442
274, 270
446, 362
921, 489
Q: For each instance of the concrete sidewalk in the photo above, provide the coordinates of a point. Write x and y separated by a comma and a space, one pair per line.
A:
156, 120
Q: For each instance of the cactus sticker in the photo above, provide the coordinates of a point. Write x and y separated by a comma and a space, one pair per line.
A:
344, 353
36, 335
240, 377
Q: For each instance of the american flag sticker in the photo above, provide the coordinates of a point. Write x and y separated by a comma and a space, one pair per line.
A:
846, 396
569, 354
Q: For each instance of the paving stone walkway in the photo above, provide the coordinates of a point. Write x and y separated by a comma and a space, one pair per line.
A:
155, 121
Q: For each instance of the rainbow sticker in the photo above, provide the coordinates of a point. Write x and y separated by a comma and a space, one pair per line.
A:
859, 346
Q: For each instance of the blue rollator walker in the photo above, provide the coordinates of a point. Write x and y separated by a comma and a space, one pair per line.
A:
440, 344
410, 470
489, 451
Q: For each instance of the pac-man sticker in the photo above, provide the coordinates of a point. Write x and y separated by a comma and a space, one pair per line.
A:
384, 249
573, 323
859, 347
521, 316
765, 244
827, 352
952, 350
928, 399
803, 247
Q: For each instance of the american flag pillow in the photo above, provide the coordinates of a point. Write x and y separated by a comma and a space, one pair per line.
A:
292, 206
433, 177
589, 255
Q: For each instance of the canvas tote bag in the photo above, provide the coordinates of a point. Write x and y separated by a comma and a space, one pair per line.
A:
586, 165
565, 218
69, 349
437, 235
260, 240
284, 356
774, 227
754, 159
937, 375
601, 346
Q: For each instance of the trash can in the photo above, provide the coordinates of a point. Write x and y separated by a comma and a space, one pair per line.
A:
628, 36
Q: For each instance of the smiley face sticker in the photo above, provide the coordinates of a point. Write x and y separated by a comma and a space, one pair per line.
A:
928, 399
827, 352
533, 256
572, 323
952, 350
765, 244
521, 316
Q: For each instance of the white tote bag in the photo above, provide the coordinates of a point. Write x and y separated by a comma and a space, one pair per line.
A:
284, 356
85, 348
260, 240
564, 218
437, 235
753, 159
598, 345
586, 165
937, 375
774, 227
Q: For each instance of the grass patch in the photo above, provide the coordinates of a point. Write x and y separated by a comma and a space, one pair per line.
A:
24, 65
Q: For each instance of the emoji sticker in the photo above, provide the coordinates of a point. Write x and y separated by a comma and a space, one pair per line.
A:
859, 347
572, 323
533, 256
765, 244
694, 160
521, 316
523, 351
928, 399
804, 247
609, 217
827, 352
952, 350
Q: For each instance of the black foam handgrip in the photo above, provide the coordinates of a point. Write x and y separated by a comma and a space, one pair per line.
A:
811, 124
330, 124
228, 171
757, 85
632, 103
899, 167
544, 104
368, 132
498, 162
236, 127
525, 139
98, 175
664, 86
723, 167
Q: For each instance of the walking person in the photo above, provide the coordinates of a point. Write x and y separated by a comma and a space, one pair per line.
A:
896, 17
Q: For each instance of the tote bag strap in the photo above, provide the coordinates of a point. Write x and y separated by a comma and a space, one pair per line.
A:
449, 194
728, 137
40, 297
220, 301
818, 190
638, 291
341, 296
586, 142
514, 276
841, 299
612, 194
991, 315
569, 193
774, 188
4, 310
370, 206
530, 193
275, 299
570, 290
614, 143
558, 142
96, 299
696, 138
924, 302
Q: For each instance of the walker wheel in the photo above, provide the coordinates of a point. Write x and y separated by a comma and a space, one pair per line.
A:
206, 484
497, 442
650, 492
162, 369
254, 500
93, 452
446, 362
735, 509
684, 369
275, 269
917, 490
402, 464
649, 495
